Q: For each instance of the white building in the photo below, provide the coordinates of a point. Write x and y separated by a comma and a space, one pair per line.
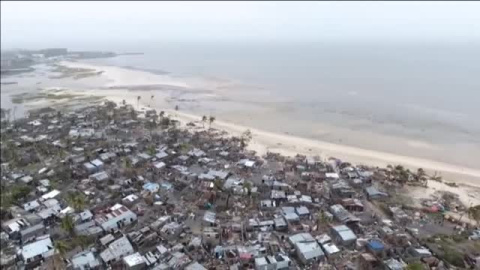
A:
37, 250
119, 216
117, 250
134, 261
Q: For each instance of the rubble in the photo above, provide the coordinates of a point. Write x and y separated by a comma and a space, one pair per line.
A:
118, 188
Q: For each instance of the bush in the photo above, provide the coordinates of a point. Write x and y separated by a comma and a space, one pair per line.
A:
453, 257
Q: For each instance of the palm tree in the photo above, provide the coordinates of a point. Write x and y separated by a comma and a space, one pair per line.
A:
245, 138
210, 121
82, 241
219, 185
151, 99
138, 100
68, 225
77, 200
322, 220
162, 113
474, 213
204, 119
128, 163
124, 102
415, 266
422, 176
248, 186
61, 248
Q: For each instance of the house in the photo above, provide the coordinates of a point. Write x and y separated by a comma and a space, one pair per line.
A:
376, 247
116, 250
420, 252
106, 157
151, 187
342, 215
195, 266
289, 214
98, 164
32, 254
344, 235
161, 155
374, 194
267, 204
100, 176
309, 252
26, 179
86, 216
342, 189
306, 248
393, 264
134, 261
159, 165
14, 226
352, 204
130, 200
399, 215
302, 211
209, 218
331, 250
263, 263
367, 261
89, 168
52, 194
30, 206
85, 260
280, 224
119, 216
32, 232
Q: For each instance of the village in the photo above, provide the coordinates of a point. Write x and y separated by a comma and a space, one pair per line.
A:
112, 186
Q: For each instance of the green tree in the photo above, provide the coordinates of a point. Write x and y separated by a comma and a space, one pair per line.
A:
138, 101
61, 248
68, 225
415, 266
248, 186
204, 120
77, 201
474, 213
210, 121
245, 138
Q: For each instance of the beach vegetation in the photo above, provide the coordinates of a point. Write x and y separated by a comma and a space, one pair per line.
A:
211, 119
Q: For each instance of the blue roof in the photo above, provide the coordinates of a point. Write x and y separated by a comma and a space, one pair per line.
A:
151, 186
375, 245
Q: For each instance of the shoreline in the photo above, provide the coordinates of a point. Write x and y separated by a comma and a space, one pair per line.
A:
262, 140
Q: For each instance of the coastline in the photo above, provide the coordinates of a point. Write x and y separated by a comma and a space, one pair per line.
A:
263, 141
266, 140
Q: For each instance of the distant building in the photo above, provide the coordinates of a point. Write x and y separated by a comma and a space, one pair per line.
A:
118, 217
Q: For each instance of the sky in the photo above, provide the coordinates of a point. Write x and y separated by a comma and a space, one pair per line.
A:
64, 23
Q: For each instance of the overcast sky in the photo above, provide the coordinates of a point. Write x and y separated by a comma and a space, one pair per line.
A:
41, 24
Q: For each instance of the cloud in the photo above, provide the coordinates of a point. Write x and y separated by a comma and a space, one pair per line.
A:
57, 23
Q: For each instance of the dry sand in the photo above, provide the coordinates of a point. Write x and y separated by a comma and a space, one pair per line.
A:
264, 141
